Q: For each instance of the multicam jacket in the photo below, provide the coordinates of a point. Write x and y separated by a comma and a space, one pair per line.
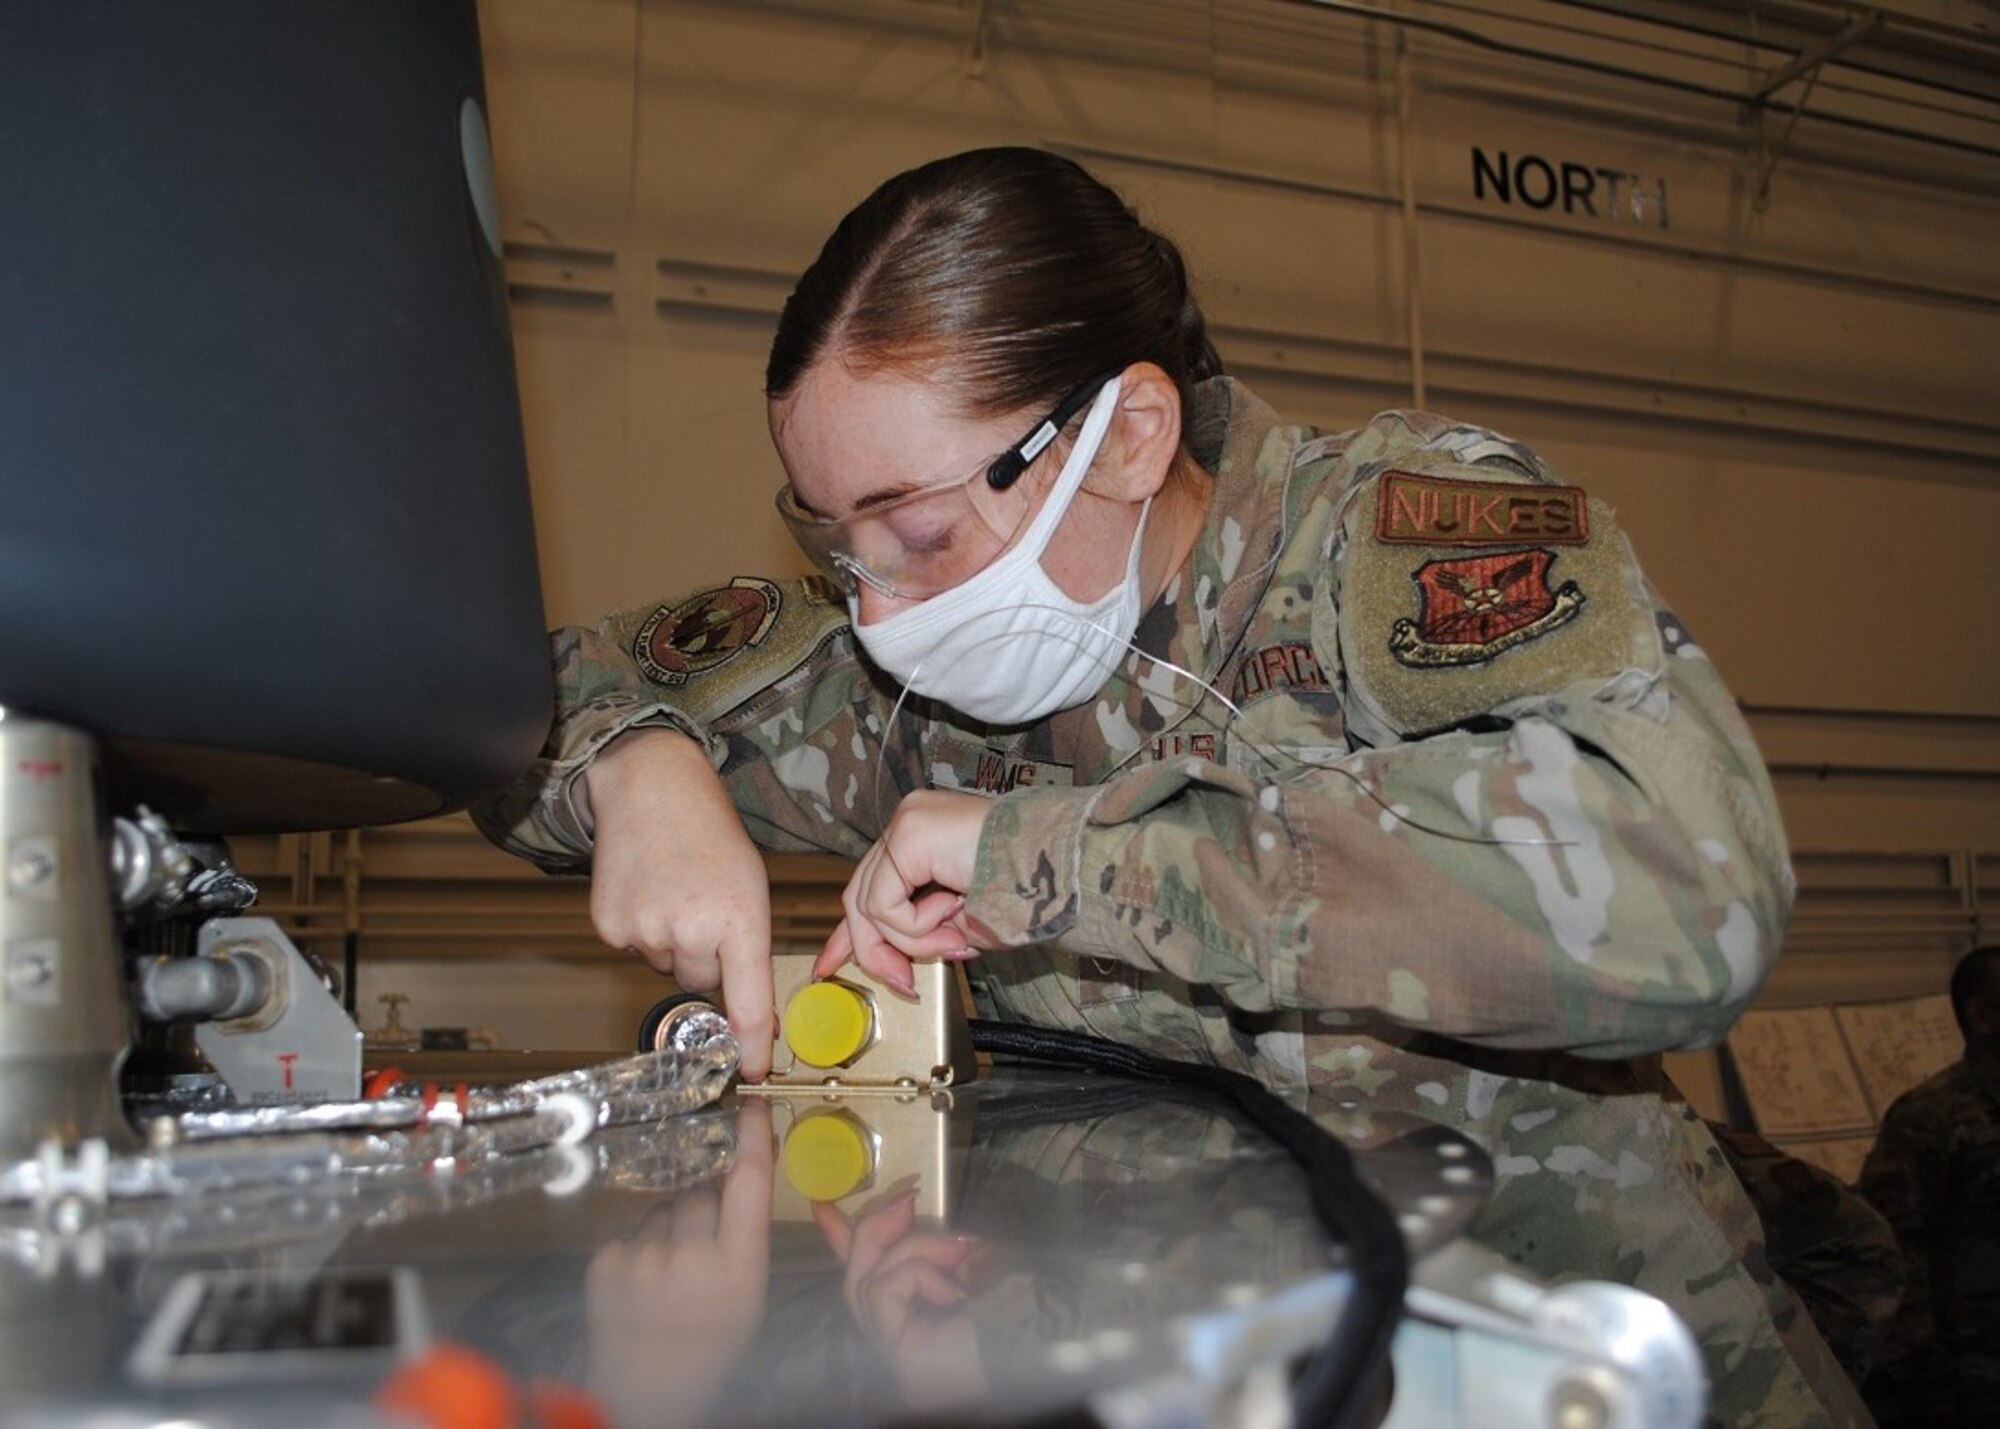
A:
1825, 1241
1934, 1173
1412, 798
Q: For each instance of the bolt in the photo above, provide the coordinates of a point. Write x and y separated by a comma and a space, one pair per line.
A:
1578, 1405
69, 1215
32, 866
27, 970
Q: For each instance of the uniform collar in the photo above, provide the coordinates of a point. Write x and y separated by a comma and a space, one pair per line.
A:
1227, 572
1202, 614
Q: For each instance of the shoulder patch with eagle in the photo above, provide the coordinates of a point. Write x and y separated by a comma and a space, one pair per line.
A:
1459, 593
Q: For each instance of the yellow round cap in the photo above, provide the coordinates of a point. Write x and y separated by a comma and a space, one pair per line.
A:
828, 1024
827, 1156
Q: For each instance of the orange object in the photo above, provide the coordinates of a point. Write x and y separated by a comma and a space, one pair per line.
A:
378, 1083
561, 1406
452, 1387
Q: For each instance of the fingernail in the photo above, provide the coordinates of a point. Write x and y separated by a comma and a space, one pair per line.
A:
958, 955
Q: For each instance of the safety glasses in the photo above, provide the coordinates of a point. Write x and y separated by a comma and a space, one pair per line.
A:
926, 541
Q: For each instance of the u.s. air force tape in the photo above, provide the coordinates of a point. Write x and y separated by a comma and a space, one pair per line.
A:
1460, 595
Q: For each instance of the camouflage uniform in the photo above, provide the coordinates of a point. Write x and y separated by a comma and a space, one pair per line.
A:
1826, 1242
1456, 820
1935, 1175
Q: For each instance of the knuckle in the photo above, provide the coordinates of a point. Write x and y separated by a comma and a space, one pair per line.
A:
611, 931
696, 977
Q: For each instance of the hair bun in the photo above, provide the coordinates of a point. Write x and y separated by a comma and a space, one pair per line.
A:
1203, 362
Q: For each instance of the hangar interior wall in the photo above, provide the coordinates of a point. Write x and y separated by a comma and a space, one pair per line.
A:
1768, 331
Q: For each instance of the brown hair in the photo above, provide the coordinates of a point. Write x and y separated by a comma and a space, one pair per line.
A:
1009, 275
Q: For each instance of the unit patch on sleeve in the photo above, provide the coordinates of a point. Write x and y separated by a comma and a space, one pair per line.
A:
678, 642
1476, 607
1454, 597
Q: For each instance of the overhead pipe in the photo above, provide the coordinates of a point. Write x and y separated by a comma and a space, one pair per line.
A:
1914, 35
1476, 38
1412, 262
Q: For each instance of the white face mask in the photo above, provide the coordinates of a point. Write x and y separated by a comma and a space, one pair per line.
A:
1008, 646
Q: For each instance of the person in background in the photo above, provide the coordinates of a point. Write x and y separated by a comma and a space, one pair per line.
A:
1365, 762
1934, 1173
1835, 1251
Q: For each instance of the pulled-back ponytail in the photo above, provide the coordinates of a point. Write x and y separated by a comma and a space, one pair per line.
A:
1009, 275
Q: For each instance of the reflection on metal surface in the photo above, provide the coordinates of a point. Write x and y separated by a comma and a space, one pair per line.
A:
845, 1151
228, 1326
1029, 1244
408, 1129
1589, 1353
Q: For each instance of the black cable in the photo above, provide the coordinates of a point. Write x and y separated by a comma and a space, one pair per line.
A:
1342, 1381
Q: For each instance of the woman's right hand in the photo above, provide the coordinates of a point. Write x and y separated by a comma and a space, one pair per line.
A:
673, 1305
675, 879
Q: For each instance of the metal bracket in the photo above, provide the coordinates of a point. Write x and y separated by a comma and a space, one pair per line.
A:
301, 1046
909, 1046
1808, 60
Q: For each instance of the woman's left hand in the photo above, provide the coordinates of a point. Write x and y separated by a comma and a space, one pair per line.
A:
903, 902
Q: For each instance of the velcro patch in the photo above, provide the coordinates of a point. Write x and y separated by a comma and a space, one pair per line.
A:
982, 769
1431, 638
1472, 608
1419, 510
678, 642
1273, 669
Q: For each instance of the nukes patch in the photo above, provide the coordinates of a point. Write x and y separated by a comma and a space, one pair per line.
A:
1428, 511
1456, 598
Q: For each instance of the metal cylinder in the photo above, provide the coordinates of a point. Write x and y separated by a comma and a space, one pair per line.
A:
210, 986
63, 1024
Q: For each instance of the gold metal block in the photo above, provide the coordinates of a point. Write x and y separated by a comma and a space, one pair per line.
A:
869, 1040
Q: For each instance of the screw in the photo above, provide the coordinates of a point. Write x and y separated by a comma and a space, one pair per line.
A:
32, 866
1578, 1405
28, 970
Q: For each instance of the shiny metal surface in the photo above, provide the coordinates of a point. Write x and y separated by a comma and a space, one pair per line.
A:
677, 1274
62, 1011
218, 985
1035, 1247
